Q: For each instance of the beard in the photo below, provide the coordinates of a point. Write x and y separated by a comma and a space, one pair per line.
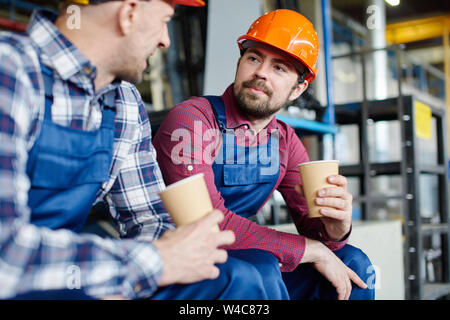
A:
254, 105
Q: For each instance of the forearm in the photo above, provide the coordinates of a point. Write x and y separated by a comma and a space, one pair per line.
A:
35, 259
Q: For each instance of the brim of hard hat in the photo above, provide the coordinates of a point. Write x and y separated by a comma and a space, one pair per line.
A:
247, 41
191, 3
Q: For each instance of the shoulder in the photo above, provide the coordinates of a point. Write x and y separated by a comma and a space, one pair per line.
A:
19, 67
17, 50
129, 93
20, 81
191, 110
292, 141
131, 102
287, 131
15, 41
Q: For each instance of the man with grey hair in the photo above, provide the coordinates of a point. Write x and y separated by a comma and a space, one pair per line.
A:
73, 131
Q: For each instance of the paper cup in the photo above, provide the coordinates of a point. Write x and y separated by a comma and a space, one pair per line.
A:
187, 200
314, 176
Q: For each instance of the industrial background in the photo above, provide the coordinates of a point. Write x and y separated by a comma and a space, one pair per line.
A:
379, 105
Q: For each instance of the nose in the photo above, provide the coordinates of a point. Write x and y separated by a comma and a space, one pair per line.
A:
262, 70
165, 39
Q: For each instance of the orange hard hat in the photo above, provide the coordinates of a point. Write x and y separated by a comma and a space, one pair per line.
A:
289, 32
192, 3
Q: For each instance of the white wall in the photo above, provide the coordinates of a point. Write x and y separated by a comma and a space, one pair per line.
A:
227, 21
381, 241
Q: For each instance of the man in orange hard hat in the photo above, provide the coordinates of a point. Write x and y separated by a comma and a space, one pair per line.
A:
245, 154
74, 130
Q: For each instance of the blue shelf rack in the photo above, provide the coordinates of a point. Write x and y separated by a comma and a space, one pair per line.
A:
308, 127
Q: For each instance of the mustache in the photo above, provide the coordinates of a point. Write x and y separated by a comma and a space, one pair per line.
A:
259, 84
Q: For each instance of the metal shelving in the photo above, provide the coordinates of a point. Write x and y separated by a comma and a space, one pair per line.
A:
308, 126
419, 232
410, 169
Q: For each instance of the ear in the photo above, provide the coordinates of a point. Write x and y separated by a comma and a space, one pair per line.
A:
298, 90
127, 15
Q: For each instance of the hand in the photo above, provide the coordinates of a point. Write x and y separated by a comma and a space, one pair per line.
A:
337, 203
332, 268
190, 252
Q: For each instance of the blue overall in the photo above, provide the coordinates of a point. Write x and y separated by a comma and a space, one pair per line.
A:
66, 168
245, 185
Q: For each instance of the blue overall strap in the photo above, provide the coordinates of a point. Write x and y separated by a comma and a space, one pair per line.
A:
229, 146
47, 75
108, 100
218, 107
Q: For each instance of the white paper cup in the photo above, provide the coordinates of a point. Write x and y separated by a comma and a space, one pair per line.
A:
187, 200
314, 177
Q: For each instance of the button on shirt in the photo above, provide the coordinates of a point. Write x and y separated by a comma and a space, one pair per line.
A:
34, 258
194, 121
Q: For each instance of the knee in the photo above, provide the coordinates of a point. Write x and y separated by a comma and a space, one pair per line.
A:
235, 270
243, 279
360, 263
265, 262
356, 260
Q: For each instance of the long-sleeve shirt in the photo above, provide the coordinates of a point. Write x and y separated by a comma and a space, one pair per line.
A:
185, 144
37, 258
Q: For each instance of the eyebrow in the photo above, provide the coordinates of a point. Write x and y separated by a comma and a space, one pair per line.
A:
276, 60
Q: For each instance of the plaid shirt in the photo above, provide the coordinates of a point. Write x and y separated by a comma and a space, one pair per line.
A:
35, 258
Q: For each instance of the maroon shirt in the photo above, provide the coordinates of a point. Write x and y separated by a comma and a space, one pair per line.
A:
187, 143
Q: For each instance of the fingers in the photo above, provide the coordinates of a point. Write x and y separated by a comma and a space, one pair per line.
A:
344, 289
341, 292
212, 273
338, 180
336, 203
221, 256
335, 198
212, 218
225, 238
356, 279
335, 192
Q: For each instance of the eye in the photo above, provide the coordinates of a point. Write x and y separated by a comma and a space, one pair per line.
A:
252, 58
280, 68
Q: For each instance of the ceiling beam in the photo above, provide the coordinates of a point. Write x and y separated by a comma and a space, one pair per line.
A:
416, 30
